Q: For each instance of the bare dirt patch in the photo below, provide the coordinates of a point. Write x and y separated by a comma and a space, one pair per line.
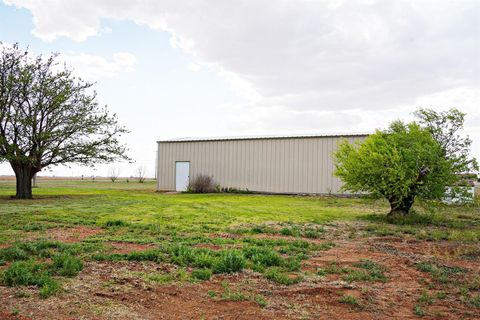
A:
148, 290
116, 290
7, 315
128, 247
72, 235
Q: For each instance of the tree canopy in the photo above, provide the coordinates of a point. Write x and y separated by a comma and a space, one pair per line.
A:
49, 117
445, 127
407, 161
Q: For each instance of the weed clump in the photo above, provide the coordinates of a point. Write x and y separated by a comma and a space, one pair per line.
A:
182, 255
437, 272
49, 287
146, 255
350, 300
313, 233
115, 223
230, 261
475, 301
262, 257
23, 274
276, 275
293, 232
26, 273
13, 253
202, 274
365, 270
204, 260
67, 265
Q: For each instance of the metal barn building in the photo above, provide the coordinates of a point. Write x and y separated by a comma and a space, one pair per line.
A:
280, 164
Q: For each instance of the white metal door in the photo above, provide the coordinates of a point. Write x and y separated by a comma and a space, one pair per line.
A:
182, 175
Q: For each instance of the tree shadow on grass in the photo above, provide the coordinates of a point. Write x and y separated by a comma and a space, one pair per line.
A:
11, 198
412, 219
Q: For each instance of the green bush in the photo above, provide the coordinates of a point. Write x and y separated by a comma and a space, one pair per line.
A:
438, 272
40, 248
13, 253
262, 256
276, 275
292, 264
27, 273
294, 232
261, 229
373, 271
49, 287
348, 299
67, 265
22, 273
146, 255
418, 311
229, 261
475, 301
260, 300
313, 233
204, 260
356, 275
182, 255
203, 184
115, 223
202, 274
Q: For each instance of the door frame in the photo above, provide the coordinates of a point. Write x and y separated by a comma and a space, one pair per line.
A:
177, 161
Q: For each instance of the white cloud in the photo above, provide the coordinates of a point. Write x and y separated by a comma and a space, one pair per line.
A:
299, 62
90, 66
325, 55
93, 67
193, 67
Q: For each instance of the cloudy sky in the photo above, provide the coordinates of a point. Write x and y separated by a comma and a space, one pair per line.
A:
215, 68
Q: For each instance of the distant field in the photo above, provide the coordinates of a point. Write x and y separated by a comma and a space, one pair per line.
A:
103, 250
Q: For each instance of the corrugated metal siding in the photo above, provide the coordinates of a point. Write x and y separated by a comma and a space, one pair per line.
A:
289, 165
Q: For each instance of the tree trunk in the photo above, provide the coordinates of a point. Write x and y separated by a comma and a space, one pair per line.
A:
34, 181
402, 208
24, 175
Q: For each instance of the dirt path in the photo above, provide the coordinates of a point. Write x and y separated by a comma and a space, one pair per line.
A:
127, 290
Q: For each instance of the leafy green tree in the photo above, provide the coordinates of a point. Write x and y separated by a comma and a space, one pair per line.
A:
48, 117
445, 127
399, 164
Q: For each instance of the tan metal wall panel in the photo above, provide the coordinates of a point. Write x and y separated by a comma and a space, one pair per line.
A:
281, 165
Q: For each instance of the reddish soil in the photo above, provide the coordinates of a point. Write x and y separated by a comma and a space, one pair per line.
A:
12, 316
122, 290
71, 235
127, 247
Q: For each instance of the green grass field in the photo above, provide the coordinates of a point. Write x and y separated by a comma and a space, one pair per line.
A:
206, 235
60, 203
66, 203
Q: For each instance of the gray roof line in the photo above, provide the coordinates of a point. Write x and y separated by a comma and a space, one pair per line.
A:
190, 139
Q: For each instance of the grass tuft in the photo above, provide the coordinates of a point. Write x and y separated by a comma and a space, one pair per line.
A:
202, 274
67, 265
115, 223
439, 273
276, 275
350, 300
229, 261
26, 273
